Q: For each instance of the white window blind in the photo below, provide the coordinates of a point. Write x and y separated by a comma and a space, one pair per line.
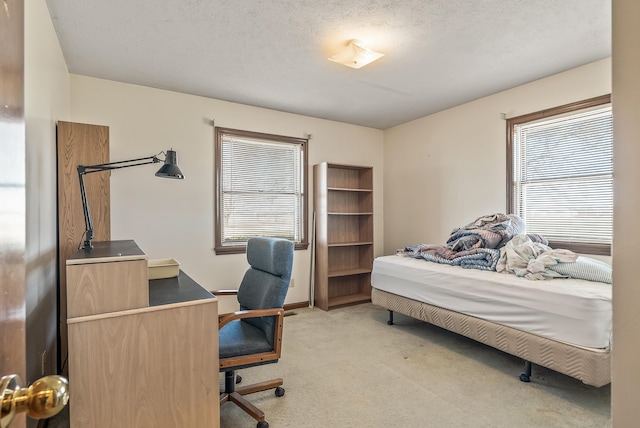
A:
563, 176
262, 190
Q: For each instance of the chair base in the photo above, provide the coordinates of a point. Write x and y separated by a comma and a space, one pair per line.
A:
235, 395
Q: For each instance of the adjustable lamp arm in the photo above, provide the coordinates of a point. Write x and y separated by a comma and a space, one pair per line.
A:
88, 169
88, 223
170, 162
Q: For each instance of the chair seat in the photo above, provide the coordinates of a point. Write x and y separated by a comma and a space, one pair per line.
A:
241, 338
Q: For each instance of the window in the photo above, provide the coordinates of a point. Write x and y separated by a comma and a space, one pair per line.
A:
260, 188
560, 171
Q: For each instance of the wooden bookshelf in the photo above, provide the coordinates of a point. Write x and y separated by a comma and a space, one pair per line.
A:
343, 204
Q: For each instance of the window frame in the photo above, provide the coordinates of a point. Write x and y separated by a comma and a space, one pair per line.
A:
584, 248
271, 138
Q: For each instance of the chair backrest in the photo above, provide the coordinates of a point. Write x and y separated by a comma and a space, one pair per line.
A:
266, 282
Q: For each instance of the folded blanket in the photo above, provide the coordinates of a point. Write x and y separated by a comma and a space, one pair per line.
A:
474, 245
477, 258
489, 231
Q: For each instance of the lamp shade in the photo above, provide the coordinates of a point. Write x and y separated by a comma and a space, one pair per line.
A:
170, 168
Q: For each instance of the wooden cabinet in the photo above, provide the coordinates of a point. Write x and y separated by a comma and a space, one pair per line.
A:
343, 204
110, 277
141, 353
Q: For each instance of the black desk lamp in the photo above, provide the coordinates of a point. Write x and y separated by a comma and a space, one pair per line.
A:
168, 170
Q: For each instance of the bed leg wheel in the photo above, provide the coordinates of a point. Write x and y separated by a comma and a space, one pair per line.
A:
525, 378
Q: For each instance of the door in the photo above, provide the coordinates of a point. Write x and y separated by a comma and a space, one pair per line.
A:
12, 194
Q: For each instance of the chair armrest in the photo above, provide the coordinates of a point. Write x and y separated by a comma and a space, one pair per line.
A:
255, 313
224, 292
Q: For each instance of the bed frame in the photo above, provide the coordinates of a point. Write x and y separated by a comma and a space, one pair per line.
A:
591, 366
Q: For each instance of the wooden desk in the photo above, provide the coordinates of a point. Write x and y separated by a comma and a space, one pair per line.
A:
175, 290
153, 366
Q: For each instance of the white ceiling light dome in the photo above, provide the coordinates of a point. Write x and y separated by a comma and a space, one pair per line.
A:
355, 55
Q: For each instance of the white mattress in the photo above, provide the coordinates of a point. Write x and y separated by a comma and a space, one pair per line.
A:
569, 310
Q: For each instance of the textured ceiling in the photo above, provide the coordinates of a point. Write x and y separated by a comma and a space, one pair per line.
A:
272, 53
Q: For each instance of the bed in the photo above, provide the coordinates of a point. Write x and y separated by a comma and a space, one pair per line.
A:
562, 324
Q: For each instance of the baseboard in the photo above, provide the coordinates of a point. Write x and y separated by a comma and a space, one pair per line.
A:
298, 305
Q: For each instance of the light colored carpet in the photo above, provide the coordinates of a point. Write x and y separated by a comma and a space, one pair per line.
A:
348, 368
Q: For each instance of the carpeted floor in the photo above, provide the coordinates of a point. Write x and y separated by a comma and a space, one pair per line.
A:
348, 368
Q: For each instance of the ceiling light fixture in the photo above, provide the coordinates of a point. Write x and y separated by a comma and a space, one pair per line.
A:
355, 55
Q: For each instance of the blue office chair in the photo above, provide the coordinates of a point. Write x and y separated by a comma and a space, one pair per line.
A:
252, 336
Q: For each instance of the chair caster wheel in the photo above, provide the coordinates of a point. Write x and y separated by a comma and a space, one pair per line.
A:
238, 378
263, 424
279, 391
524, 378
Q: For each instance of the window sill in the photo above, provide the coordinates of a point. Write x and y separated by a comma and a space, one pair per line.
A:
241, 249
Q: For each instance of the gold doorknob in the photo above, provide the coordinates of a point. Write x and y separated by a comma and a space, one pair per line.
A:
45, 398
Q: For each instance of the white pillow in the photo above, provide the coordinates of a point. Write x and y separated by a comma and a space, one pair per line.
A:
585, 268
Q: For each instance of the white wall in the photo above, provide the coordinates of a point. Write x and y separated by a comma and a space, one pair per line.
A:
174, 218
626, 233
444, 170
46, 101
